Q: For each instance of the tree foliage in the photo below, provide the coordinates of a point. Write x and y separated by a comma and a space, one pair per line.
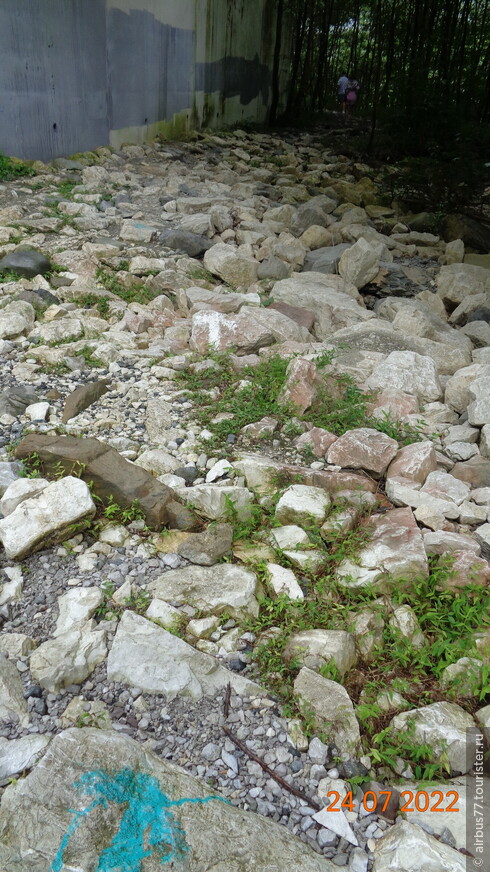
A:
424, 65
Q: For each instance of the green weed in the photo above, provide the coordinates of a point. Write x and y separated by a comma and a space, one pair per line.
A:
340, 405
90, 359
13, 168
137, 292
94, 301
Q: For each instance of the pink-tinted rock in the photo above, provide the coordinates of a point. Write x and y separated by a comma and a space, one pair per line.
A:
395, 551
414, 462
442, 542
467, 569
252, 328
137, 322
260, 429
363, 449
301, 383
395, 403
475, 471
138, 319
445, 486
303, 317
318, 440
334, 481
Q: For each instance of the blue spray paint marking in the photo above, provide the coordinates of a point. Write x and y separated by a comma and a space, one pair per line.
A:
146, 820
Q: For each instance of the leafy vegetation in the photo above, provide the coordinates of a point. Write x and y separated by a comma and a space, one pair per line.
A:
423, 68
13, 168
134, 292
226, 400
448, 620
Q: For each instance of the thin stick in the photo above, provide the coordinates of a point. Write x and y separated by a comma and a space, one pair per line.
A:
226, 706
266, 768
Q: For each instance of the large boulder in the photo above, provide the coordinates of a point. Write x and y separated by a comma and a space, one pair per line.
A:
100, 800
409, 372
334, 302
70, 657
147, 656
248, 331
442, 725
380, 336
363, 448
15, 319
212, 590
457, 281
111, 475
359, 264
45, 517
193, 244
26, 262
330, 706
395, 551
231, 265
405, 846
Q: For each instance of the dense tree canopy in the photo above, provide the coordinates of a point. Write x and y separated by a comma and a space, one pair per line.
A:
424, 65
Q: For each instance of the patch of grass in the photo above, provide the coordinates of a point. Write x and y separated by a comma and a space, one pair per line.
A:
65, 189
340, 404
13, 168
56, 368
137, 292
88, 355
202, 274
448, 619
9, 275
94, 301
123, 515
387, 749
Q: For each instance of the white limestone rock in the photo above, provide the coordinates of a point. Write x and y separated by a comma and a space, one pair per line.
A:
231, 266
20, 490
464, 677
318, 648
442, 725
406, 845
409, 372
162, 613
284, 581
405, 622
76, 607
157, 461
16, 755
213, 502
45, 518
211, 589
444, 486
70, 657
360, 263
32, 824
302, 504
146, 656
333, 712
290, 536
13, 707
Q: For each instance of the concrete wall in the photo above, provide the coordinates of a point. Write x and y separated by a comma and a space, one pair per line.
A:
77, 74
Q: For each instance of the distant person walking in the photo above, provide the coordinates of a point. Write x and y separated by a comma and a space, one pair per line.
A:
341, 89
351, 91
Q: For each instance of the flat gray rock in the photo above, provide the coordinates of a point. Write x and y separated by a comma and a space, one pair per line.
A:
212, 590
146, 656
98, 800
